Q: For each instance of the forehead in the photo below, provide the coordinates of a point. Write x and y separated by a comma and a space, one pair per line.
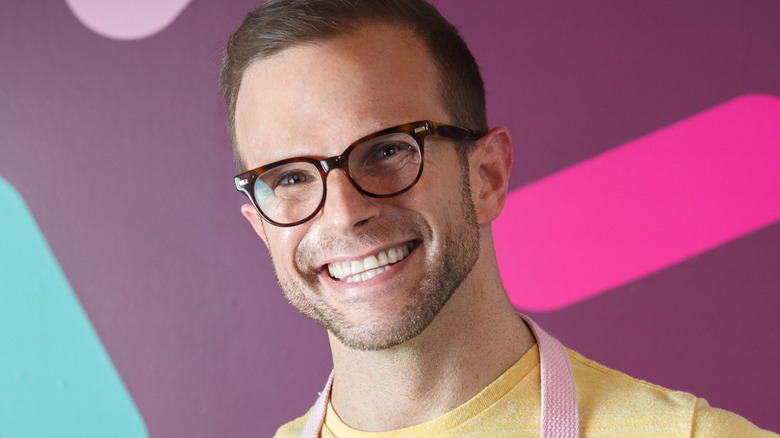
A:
316, 99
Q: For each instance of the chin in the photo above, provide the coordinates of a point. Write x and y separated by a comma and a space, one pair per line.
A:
373, 337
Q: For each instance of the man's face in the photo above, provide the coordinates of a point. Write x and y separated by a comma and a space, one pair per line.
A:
315, 100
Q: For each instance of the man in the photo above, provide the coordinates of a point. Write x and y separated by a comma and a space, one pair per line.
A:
360, 131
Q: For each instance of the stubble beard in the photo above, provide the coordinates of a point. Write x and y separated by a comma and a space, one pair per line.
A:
448, 261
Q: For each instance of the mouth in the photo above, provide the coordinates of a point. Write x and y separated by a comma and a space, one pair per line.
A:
354, 271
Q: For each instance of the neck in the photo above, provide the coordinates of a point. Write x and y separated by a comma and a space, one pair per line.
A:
475, 338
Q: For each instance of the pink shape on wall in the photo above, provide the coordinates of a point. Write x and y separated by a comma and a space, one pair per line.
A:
126, 19
643, 206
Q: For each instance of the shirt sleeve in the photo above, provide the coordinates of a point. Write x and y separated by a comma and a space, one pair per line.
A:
709, 422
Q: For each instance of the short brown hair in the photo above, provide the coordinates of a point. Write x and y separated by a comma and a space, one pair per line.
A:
280, 24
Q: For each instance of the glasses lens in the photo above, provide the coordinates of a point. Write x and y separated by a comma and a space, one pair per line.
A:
387, 164
289, 193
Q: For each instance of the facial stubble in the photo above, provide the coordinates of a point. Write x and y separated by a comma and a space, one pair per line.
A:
448, 261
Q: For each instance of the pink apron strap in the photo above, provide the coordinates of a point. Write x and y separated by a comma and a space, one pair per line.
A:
317, 412
560, 416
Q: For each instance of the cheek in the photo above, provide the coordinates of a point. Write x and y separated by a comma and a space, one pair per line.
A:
282, 244
441, 184
439, 204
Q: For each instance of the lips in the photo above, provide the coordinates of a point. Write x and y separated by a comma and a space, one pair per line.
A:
353, 271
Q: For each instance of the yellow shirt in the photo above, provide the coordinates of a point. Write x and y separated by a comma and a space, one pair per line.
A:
611, 404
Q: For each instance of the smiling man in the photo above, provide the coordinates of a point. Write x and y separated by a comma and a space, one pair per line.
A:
360, 131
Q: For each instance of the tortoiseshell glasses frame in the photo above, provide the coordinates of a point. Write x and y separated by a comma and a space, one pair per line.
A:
380, 165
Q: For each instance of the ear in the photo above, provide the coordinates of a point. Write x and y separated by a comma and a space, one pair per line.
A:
490, 164
249, 212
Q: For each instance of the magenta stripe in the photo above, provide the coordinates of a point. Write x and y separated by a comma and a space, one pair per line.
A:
643, 206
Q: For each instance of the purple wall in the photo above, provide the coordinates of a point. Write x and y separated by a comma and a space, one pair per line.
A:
120, 150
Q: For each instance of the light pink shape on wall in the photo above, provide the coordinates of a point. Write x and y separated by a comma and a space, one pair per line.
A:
643, 206
126, 19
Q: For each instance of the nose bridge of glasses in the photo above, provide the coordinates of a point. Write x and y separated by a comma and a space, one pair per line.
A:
331, 163
338, 162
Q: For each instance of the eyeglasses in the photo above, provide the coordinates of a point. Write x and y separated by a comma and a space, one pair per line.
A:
383, 164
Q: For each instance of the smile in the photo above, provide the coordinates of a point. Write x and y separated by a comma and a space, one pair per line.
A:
353, 271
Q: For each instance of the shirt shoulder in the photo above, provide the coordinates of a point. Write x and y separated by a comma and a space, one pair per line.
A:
612, 403
293, 429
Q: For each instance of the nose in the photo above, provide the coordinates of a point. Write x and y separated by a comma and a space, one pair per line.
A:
346, 209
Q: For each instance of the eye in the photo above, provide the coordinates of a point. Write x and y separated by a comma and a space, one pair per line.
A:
288, 177
387, 151
291, 178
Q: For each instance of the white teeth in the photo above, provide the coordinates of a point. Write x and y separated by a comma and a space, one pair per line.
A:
362, 270
335, 270
370, 262
363, 276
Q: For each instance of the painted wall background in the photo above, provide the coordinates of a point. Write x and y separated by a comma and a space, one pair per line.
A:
117, 144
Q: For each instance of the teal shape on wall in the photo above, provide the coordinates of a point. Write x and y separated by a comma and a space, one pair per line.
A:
56, 378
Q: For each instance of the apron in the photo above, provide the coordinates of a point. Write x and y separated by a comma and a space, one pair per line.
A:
560, 417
